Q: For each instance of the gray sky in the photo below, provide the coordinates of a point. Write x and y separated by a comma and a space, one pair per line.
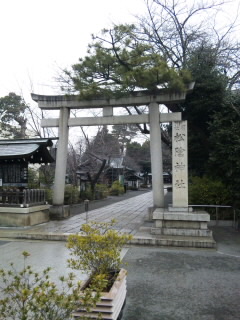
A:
38, 37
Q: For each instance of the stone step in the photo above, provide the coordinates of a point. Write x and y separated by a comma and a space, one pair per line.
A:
182, 232
173, 241
143, 237
163, 214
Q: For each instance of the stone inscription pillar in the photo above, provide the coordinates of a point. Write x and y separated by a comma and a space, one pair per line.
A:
180, 164
61, 160
156, 155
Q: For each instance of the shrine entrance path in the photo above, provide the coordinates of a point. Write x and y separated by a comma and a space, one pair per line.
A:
130, 215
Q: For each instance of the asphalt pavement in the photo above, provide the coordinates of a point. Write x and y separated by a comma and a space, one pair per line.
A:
185, 284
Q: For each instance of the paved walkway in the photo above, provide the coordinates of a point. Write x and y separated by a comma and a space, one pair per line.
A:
129, 214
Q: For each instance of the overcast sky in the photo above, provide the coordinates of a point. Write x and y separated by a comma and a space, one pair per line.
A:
39, 37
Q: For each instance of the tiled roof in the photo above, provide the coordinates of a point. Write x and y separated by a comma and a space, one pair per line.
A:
30, 150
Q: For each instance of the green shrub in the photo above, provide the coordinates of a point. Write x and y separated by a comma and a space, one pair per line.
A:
101, 191
116, 189
208, 191
71, 195
33, 179
211, 192
86, 194
30, 295
46, 175
49, 195
97, 250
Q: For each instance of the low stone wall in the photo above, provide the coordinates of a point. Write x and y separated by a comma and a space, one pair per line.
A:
23, 217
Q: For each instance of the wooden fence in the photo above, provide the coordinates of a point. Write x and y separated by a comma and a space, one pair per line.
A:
25, 198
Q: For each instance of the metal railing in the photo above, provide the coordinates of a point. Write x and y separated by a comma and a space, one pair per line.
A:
25, 198
235, 212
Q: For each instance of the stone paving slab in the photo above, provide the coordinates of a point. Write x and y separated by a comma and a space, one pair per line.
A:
129, 215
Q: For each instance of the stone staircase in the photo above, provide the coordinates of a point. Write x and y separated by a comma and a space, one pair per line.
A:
177, 227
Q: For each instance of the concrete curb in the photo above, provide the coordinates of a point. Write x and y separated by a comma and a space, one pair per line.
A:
194, 242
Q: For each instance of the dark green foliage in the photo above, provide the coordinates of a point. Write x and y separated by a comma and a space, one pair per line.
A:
140, 154
224, 160
200, 106
71, 195
13, 120
208, 191
118, 63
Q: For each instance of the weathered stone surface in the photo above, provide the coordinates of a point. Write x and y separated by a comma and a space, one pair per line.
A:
59, 212
61, 160
133, 99
23, 217
180, 164
161, 213
191, 227
182, 232
24, 210
156, 156
110, 303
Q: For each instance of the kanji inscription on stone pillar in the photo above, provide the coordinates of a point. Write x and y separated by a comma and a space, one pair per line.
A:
180, 164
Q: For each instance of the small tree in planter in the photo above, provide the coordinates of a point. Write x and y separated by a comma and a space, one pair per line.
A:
28, 295
97, 250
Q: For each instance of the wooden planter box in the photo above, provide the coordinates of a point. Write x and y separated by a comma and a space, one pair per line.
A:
111, 302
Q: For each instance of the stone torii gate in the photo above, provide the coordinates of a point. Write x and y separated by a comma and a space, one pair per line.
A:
153, 118
176, 225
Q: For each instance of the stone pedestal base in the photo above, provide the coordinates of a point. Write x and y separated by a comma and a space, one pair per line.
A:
23, 217
110, 303
59, 212
189, 226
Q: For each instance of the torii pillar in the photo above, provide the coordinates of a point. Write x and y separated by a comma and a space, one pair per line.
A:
61, 161
58, 209
156, 155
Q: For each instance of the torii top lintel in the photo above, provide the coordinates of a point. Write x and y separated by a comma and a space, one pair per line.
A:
137, 98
